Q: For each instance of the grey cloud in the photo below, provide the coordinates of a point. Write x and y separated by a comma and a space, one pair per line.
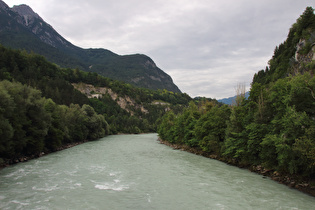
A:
206, 46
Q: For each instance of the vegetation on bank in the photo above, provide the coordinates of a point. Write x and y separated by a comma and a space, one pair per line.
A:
273, 128
31, 124
41, 111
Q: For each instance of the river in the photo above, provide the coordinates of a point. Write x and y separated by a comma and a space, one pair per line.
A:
137, 172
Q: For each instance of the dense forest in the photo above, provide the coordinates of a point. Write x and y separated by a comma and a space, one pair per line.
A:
275, 127
41, 110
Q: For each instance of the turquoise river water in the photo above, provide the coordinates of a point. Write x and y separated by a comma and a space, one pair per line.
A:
137, 172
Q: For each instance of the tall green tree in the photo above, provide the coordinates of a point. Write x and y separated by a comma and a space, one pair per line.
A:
210, 129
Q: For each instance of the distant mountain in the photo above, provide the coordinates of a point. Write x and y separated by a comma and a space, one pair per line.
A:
22, 28
231, 100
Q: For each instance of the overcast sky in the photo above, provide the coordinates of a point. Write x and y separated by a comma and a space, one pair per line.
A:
206, 46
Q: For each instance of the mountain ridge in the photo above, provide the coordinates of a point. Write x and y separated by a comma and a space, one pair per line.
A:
22, 28
231, 100
26, 12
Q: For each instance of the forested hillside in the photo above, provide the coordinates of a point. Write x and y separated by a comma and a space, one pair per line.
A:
41, 110
271, 131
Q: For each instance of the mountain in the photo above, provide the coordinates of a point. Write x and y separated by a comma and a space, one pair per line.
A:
22, 28
44, 107
231, 100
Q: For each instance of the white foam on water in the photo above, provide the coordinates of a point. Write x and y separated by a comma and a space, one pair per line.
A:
78, 184
48, 199
149, 197
221, 206
111, 186
72, 173
114, 173
46, 188
17, 174
97, 169
20, 203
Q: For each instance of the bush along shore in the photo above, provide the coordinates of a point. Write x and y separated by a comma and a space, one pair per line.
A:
303, 185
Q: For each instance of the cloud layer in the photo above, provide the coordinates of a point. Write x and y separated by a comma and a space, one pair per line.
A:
208, 47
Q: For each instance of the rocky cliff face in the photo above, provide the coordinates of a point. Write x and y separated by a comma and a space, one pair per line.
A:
25, 16
27, 13
39, 27
97, 92
3, 5
302, 60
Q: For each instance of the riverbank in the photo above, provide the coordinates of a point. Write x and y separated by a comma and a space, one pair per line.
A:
7, 162
303, 185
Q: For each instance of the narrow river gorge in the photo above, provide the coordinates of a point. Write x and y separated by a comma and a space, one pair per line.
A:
137, 172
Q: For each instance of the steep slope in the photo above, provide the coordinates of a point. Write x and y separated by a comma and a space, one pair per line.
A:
273, 131
298, 48
31, 33
22, 28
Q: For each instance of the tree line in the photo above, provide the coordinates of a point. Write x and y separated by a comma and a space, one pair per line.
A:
40, 110
274, 127
32, 124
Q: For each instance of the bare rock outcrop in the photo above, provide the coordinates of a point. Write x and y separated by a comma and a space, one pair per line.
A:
97, 92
